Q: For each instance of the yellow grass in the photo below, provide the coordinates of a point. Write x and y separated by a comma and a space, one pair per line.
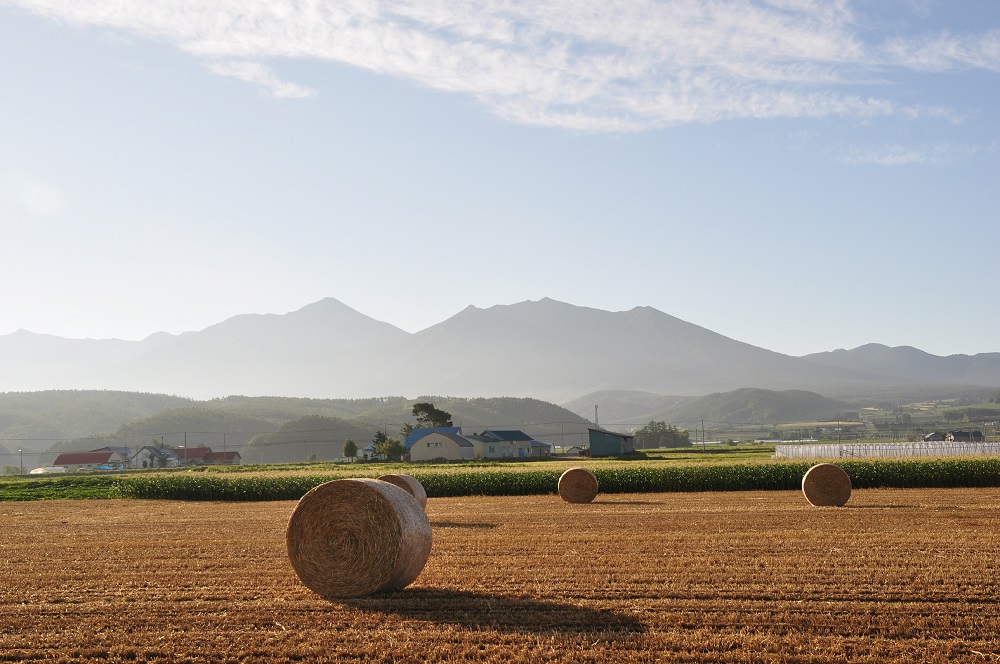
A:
896, 575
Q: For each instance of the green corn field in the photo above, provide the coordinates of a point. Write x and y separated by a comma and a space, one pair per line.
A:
621, 477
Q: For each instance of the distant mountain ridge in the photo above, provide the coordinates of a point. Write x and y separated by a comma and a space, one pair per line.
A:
909, 362
541, 349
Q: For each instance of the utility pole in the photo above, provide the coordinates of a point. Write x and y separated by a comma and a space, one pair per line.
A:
21, 452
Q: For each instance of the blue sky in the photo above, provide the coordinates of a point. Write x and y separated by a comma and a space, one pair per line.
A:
799, 175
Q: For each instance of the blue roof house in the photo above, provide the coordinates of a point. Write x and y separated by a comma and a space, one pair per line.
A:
495, 444
439, 443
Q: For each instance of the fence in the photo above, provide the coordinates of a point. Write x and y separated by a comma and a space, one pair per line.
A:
837, 450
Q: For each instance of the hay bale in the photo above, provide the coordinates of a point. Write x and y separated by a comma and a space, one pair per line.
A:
577, 485
411, 484
826, 485
353, 537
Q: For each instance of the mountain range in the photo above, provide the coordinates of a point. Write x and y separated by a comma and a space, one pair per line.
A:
542, 349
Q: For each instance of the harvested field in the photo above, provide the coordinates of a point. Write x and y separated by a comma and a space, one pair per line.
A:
896, 575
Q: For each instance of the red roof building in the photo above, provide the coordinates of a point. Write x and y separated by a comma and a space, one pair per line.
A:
223, 458
84, 460
191, 456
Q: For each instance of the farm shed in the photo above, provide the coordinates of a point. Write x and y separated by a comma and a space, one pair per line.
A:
542, 449
223, 458
965, 436
124, 453
610, 443
439, 443
99, 460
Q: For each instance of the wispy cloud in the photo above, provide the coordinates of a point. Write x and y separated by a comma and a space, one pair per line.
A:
261, 75
939, 154
946, 52
582, 64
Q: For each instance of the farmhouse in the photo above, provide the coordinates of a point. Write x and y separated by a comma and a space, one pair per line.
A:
439, 443
155, 457
496, 444
450, 443
609, 443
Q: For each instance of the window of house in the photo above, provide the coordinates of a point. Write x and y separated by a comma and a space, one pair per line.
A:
492, 449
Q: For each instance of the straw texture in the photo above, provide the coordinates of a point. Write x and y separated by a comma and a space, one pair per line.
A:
353, 537
411, 484
578, 485
826, 485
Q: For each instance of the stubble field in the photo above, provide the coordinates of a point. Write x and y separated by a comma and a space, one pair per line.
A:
897, 575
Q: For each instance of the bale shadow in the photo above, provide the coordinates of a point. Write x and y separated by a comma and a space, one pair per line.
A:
509, 614
626, 502
459, 524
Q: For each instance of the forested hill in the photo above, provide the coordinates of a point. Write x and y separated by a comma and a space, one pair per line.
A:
82, 419
742, 406
755, 406
35, 419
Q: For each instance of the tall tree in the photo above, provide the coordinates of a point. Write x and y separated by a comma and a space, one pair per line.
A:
429, 417
391, 448
661, 434
350, 449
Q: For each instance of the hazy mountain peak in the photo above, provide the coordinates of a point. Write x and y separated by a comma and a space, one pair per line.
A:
542, 349
327, 306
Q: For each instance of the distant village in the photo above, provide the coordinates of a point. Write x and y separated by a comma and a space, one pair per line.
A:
426, 444
151, 456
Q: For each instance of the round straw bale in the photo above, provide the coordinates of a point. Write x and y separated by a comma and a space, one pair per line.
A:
353, 537
411, 484
826, 485
578, 485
